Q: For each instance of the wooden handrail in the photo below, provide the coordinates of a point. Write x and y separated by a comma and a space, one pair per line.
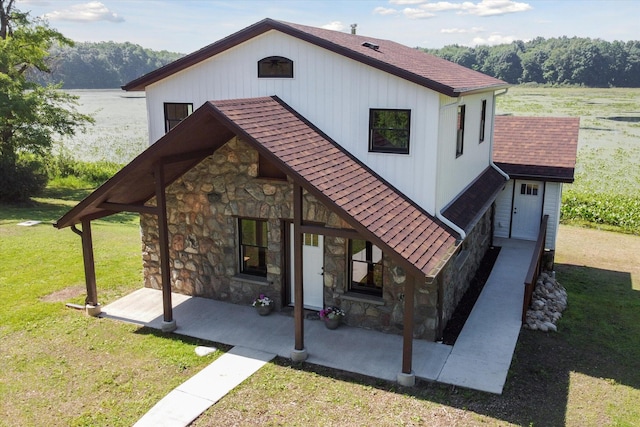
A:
535, 267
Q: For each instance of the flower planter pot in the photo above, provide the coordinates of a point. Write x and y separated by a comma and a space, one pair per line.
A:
332, 323
263, 310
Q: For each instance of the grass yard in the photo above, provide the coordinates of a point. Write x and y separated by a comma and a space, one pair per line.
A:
62, 368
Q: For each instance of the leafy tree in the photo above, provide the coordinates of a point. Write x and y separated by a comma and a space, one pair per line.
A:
100, 65
554, 61
31, 116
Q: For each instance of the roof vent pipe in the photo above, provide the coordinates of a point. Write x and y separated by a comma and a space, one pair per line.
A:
353, 28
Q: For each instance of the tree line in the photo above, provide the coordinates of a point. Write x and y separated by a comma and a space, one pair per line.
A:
554, 61
102, 65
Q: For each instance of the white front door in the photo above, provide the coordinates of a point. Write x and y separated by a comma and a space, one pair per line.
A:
312, 270
527, 210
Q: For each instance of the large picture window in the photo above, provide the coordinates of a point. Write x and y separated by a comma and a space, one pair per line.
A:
365, 262
389, 131
174, 113
253, 247
460, 132
276, 67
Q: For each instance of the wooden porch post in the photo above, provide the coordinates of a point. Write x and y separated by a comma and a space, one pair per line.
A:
299, 353
91, 301
169, 323
407, 377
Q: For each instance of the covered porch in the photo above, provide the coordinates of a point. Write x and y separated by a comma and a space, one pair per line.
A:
480, 358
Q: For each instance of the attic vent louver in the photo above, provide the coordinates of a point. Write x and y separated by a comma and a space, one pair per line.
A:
371, 45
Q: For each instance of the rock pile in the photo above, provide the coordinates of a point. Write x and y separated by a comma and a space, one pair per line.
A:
548, 302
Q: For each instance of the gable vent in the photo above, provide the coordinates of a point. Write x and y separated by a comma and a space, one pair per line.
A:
371, 45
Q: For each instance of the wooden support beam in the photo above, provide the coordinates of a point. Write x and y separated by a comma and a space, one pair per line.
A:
121, 207
298, 308
89, 264
332, 232
407, 329
163, 234
190, 156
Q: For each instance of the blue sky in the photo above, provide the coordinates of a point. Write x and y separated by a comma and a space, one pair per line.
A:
187, 25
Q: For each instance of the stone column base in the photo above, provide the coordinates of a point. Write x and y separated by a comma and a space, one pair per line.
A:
407, 380
299, 355
93, 310
169, 326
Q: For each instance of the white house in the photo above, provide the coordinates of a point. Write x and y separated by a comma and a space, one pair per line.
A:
320, 168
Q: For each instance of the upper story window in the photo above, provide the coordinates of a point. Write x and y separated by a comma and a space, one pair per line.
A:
483, 118
365, 264
460, 132
275, 66
253, 246
174, 113
389, 131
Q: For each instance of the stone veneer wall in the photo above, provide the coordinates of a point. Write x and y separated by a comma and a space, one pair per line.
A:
202, 209
457, 274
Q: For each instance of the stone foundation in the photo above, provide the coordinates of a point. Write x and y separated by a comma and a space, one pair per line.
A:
457, 274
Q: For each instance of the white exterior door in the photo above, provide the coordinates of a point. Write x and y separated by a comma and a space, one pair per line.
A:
312, 270
527, 210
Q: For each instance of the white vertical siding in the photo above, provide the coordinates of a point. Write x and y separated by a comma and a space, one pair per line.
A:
502, 218
455, 173
334, 93
552, 200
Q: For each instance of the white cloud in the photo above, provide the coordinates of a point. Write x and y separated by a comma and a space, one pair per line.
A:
495, 7
417, 13
472, 30
493, 39
335, 25
384, 11
443, 6
406, 2
85, 12
481, 8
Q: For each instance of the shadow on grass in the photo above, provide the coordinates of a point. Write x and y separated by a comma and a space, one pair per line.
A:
52, 204
145, 330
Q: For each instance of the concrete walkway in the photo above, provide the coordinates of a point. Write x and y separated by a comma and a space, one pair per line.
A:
479, 360
482, 354
186, 402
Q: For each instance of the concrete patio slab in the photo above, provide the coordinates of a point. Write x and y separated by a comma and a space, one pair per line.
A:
480, 358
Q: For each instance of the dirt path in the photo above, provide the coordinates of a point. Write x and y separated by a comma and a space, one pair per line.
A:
600, 249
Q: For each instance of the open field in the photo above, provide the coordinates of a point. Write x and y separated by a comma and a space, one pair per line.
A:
120, 132
61, 368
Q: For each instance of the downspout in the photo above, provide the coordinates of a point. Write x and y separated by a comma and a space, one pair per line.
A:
439, 215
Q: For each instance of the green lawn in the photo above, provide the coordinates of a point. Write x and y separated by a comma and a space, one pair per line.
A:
61, 368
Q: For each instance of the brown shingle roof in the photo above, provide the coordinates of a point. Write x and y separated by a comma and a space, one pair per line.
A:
472, 203
374, 208
412, 64
536, 147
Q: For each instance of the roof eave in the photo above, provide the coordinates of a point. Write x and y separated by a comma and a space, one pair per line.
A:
480, 89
